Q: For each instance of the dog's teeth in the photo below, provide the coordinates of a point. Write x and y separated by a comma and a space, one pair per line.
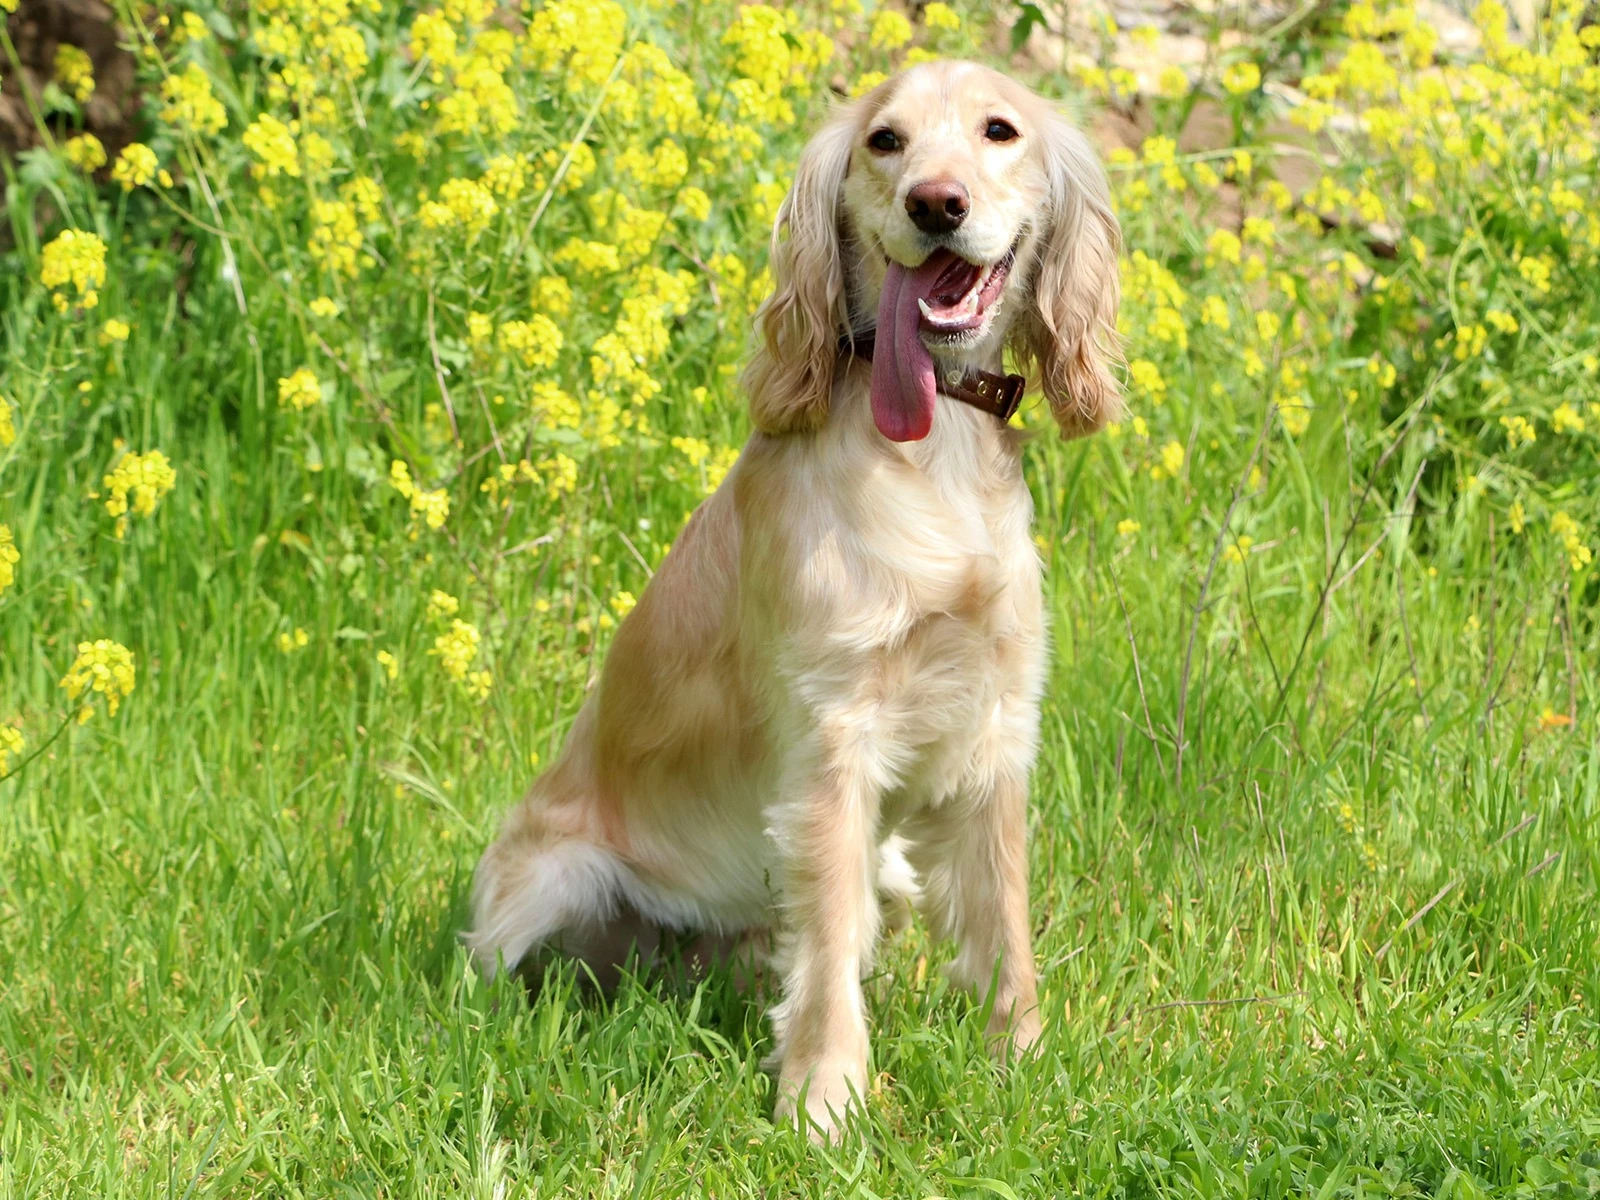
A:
927, 311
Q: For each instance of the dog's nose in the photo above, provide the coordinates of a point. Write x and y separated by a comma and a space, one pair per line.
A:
938, 206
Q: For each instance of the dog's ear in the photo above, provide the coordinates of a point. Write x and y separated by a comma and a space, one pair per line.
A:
1070, 332
790, 376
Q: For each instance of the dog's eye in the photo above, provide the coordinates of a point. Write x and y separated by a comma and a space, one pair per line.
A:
1000, 131
884, 141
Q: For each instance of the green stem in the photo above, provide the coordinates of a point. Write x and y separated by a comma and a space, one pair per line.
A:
66, 722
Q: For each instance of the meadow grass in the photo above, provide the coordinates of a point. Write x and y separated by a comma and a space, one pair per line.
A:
1315, 824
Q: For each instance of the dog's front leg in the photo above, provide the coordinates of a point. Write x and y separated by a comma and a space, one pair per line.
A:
827, 842
971, 854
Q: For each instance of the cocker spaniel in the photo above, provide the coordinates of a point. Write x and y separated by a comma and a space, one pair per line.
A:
828, 696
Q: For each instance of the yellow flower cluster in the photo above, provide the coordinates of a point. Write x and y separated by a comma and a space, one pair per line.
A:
300, 390
148, 477
74, 72
456, 648
9, 558
104, 668
433, 507
76, 258
536, 342
12, 744
335, 236
135, 166
191, 105
272, 141
582, 36
85, 152
1566, 530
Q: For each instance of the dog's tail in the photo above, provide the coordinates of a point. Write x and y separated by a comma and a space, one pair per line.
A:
535, 888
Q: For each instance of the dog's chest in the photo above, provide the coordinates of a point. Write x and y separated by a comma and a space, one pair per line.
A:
968, 634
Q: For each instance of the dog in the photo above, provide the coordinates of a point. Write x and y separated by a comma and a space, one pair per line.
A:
827, 699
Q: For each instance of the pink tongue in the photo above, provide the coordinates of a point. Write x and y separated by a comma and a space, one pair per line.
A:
903, 383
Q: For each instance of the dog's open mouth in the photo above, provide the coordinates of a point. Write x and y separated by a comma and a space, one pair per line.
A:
942, 300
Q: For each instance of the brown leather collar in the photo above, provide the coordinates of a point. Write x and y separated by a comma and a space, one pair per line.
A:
997, 395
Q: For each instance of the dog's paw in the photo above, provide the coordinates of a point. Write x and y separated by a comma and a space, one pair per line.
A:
819, 1099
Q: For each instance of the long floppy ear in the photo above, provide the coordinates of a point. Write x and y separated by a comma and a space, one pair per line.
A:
790, 377
1070, 333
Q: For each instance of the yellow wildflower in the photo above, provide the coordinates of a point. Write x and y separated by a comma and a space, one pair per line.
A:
890, 29
9, 558
78, 258
1570, 535
11, 744
552, 295
1214, 311
470, 203
441, 605
939, 15
190, 103
433, 507
300, 390
148, 476
389, 664
135, 166
456, 648
1222, 246
1172, 456
1241, 77
537, 342
114, 331
1146, 376
85, 152
1519, 431
104, 667
1566, 419
271, 141
1127, 527
587, 34
74, 72
288, 643
335, 236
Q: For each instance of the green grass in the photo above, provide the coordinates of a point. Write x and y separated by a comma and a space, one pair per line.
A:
1316, 859
229, 916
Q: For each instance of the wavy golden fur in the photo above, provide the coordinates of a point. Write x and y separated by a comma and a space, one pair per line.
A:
826, 702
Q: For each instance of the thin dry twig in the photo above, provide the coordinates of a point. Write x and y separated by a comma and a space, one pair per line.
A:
1344, 544
1549, 861
1516, 649
1138, 672
566, 159
439, 373
1417, 916
1411, 654
1516, 829
1205, 588
1566, 644
1228, 1003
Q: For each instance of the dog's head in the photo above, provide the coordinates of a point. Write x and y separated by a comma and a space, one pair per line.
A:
968, 214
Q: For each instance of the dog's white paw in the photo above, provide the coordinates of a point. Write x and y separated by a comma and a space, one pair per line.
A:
818, 1100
